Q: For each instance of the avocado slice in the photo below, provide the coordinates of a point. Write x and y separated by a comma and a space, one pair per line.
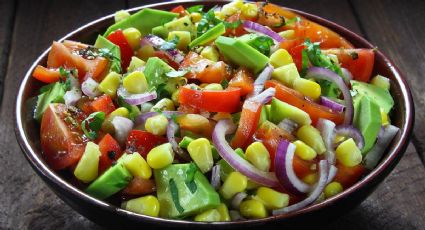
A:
209, 36
102, 42
181, 24
241, 53
280, 110
144, 21
378, 95
367, 118
110, 182
52, 93
183, 191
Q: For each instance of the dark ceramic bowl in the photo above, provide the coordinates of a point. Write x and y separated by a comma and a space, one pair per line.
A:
27, 133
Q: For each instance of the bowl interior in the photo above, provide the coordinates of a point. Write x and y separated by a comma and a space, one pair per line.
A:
27, 130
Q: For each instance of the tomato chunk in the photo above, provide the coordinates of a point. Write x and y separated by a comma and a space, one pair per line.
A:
348, 176
204, 69
243, 79
102, 104
46, 75
110, 151
248, 123
142, 142
179, 10
126, 51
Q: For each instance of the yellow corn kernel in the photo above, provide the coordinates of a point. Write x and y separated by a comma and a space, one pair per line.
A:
338, 139
213, 86
211, 53
146, 205
145, 52
304, 151
258, 155
384, 118
271, 198
87, 168
195, 17
280, 58
224, 212
157, 124
211, 215
286, 74
333, 189
107, 123
308, 88
110, 84
221, 116
234, 183
250, 10
219, 15
135, 82
232, 8
121, 15
160, 156
183, 39
348, 153
200, 152
253, 209
311, 136
165, 104
287, 34
381, 82
311, 178
135, 64
137, 166
133, 36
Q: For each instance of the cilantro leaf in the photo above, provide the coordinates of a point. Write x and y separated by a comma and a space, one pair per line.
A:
262, 44
92, 124
195, 9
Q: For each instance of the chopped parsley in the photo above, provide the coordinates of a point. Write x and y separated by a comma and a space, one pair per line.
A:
262, 44
92, 124
195, 9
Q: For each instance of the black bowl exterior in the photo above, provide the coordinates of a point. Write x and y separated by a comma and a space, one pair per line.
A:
111, 216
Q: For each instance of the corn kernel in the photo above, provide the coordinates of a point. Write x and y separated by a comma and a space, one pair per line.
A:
280, 58
219, 15
384, 118
160, 156
183, 39
107, 123
146, 205
234, 183
311, 178
338, 139
311, 136
253, 209
221, 116
133, 36
211, 215
137, 166
304, 151
333, 189
121, 15
381, 82
286, 74
258, 155
232, 8
110, 84
165, 104
287, 34
348, 153
87, 167
135, 64
135, 82
145, 52
224, 212
213, 86
195, 16
200, 152
308, 88
210, 52
249, 10
157, 124
271, 198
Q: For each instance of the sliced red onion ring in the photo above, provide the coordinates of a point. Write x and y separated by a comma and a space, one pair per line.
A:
321, 73
171, 132
122, 127
314, 195
332, 173
72, 96
141, 119
136, 99
347, 75
265, 75
257, 28
327, 131
157, 43
89, 87
285, 171
265, 96
333, 105
237, 199
288, 125
350, 131
375, 154
224, 127
215, 176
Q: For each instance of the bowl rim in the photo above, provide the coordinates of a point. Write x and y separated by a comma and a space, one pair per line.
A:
48, 174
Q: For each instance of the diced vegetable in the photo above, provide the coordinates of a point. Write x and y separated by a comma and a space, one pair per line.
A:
157, 125
257, 154
147, 205
348, 154
332, 189
280, 58
110, 84
253, 209
133, 36
271, 198
137, 165
211, 215
160, 156
200, 152
87, 167
234, 183
304, 151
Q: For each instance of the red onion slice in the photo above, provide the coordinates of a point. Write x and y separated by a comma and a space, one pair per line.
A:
157, 43
285, 171
288, 125
332, 173
375, 154
264, 97
72, 96
347, 75
89, 88
321, 73
327, 131
122, 127
224, 127
333, 105
237, 200
314, 195
171, 132
136, 99
350, 131
265, 75
215, 176
254, 27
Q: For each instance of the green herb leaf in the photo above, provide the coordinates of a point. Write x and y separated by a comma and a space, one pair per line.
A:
262, 44
175, 195
195, 9
293, 20
92, 124
224, 83
232, 25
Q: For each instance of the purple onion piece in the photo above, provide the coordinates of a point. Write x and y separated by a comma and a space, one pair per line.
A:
122, 128
375, 154
90, 88
254, 27
171, 132
265, 75
237, 200
136, 99
351, 131
215, 177
288, 125
333, 105
327, 131
157, 43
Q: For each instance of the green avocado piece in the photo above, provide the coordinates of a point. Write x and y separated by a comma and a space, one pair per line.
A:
241, 53
110, 182
183, 191
144, 21
155, 71
248, 38
181, 24
52, 93
367, 118
208, 36
280, 110
380, 96
103, 43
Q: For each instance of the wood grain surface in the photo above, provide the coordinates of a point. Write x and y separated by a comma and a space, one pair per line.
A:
29, 27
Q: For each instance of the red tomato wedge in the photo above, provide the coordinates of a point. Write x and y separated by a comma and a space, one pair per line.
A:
358, 61
142, 142
46, 75
296, 99
110, 151
102, 104
227, 100
243, 79
126, 51
248, 123
179, 10
204, 69
61, 141
348, 176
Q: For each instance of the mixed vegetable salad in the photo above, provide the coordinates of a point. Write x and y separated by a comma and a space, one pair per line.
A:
237, 112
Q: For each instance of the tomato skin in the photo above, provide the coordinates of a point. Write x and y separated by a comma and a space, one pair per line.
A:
107, 145
358, 61
102, 104
204, 69
296, 99
348, 176
179, 10
238, 31
46, 75
227, 100
62, 143
117, 37
243, 79
248, 123
139, 186
142, 142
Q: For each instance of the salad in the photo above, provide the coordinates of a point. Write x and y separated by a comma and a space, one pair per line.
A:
237, 112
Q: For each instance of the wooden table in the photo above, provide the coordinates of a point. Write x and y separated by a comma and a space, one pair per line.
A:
28, 27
